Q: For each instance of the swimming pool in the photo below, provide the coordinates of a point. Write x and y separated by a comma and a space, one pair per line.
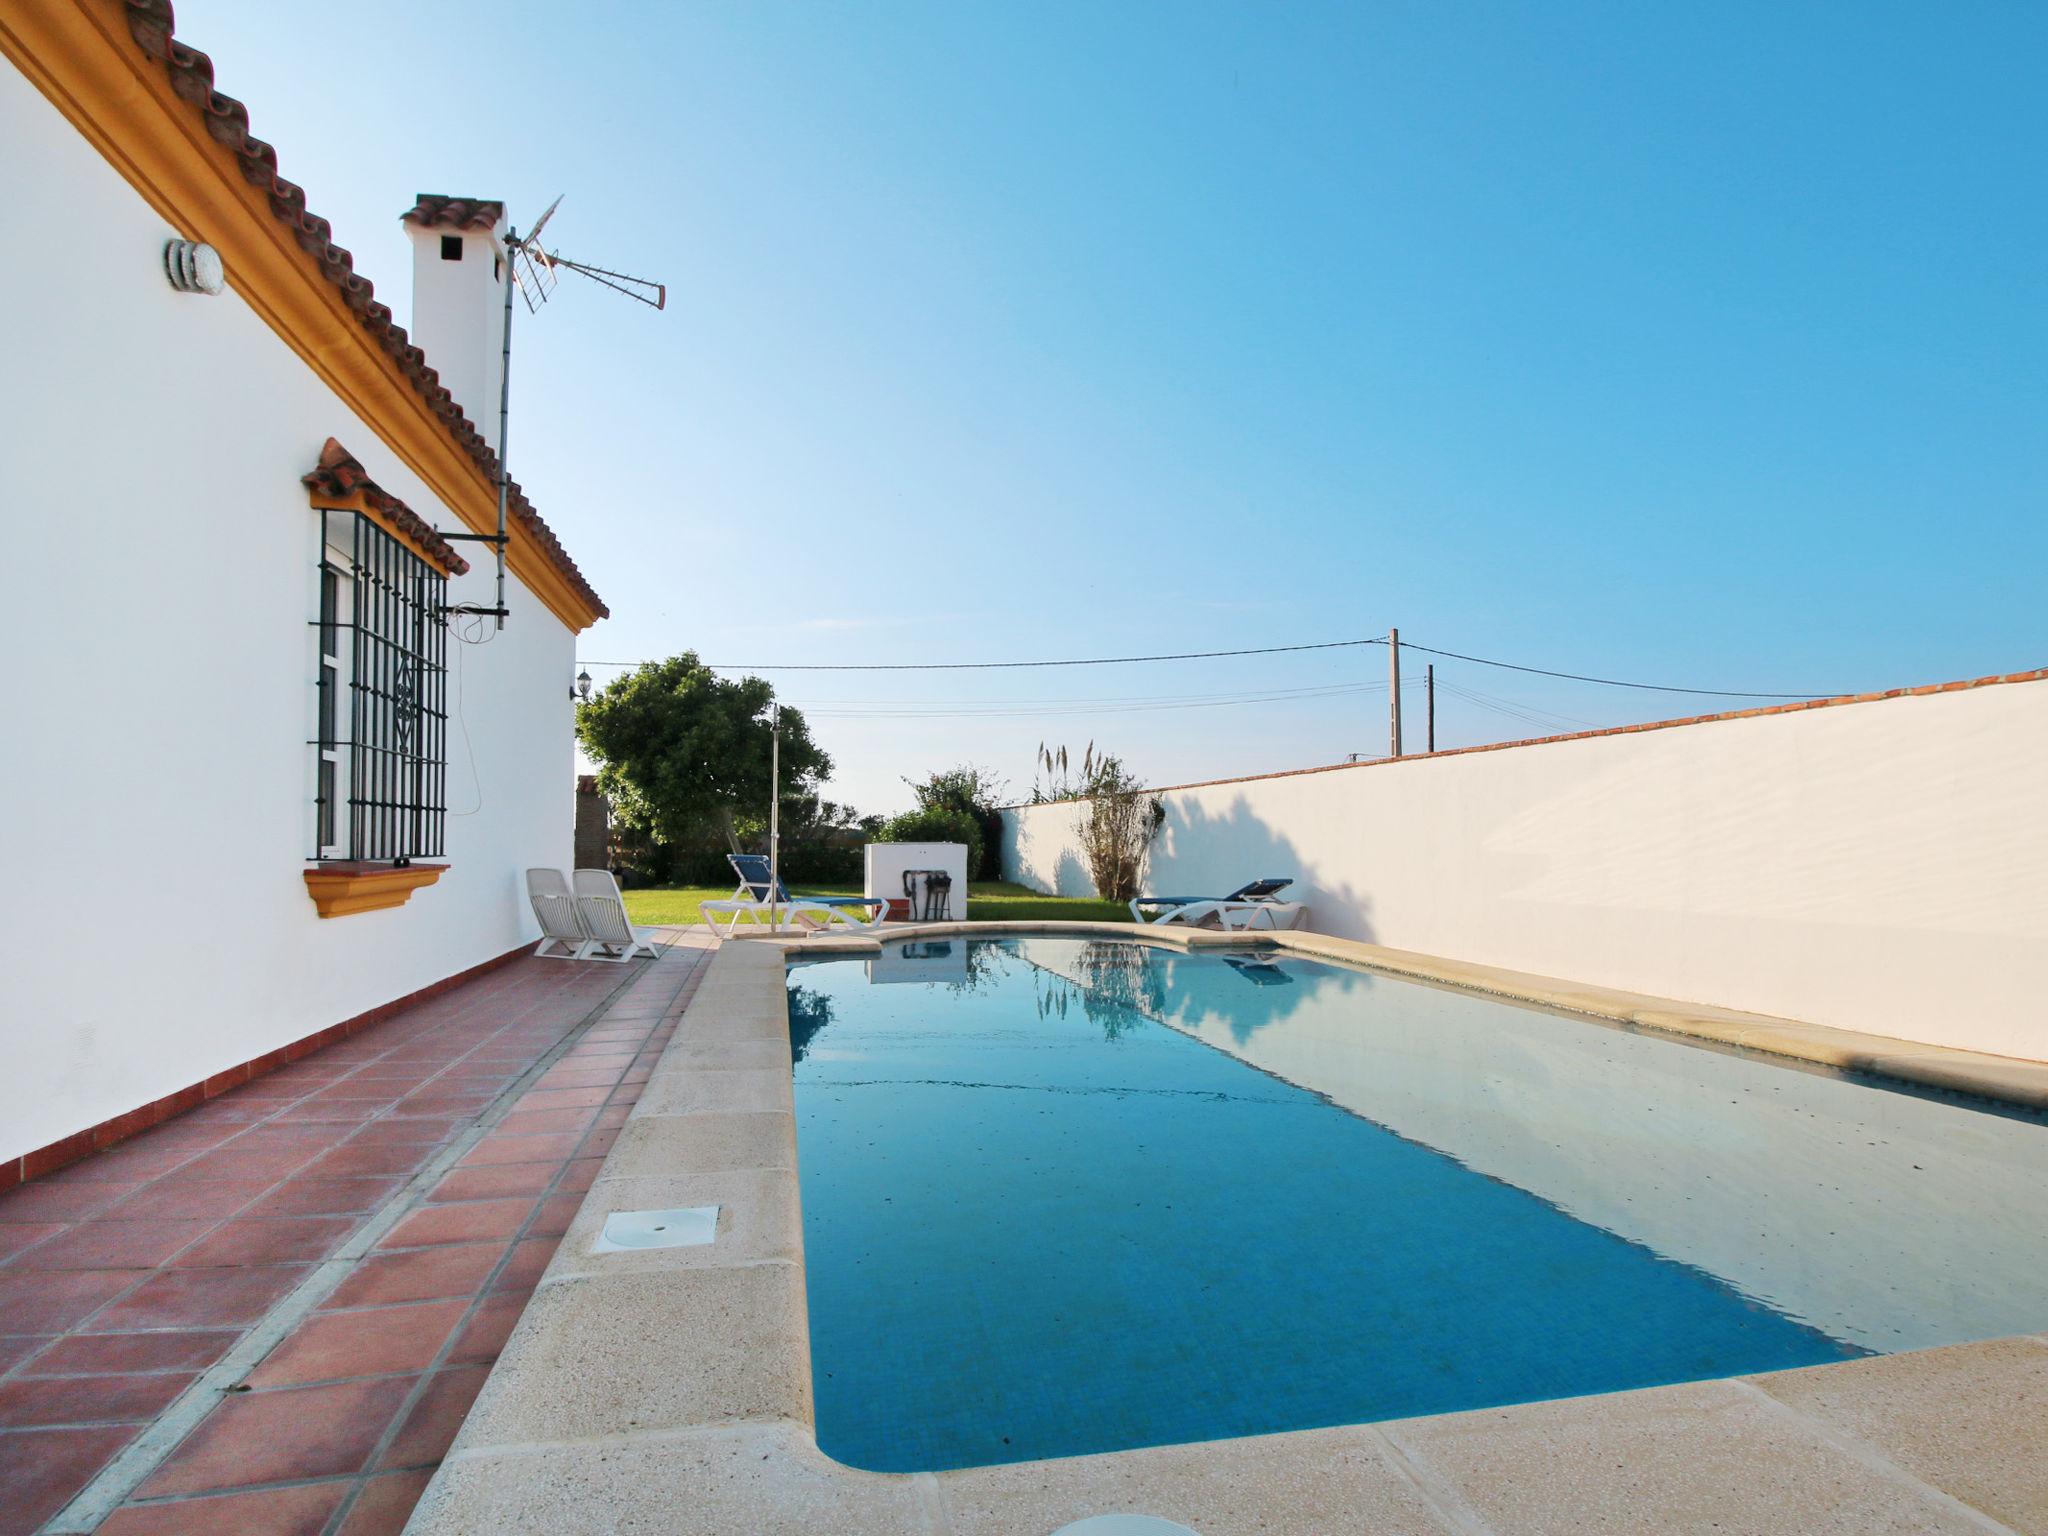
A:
1065, 1195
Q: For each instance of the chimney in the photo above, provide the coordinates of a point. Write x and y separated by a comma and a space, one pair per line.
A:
458, 299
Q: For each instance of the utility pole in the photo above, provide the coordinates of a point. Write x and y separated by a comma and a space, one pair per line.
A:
1429, 693
1394, 687
774, 815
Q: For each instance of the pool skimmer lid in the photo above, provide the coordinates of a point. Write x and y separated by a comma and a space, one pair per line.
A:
690, 1227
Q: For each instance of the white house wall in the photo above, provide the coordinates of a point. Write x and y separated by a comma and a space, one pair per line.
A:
156, 589
1880, 866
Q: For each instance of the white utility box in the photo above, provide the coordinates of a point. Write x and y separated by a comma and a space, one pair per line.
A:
889, 863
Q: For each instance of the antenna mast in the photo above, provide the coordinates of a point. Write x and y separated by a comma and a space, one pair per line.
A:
535, 286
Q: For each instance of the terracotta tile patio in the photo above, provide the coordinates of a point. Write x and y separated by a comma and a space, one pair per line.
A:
127, 1276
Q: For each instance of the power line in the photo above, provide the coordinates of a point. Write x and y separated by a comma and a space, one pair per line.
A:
988, 666
1264, 650
1609, 682
956, 710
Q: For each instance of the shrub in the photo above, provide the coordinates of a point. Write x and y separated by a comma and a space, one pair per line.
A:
978, 792
936, 826
1118, 821
1117, 828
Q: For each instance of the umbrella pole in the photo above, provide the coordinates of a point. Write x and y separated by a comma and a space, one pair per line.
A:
774, 818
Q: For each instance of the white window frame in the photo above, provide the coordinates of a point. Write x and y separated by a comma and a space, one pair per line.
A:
337, 565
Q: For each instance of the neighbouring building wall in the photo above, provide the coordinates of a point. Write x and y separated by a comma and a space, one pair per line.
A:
156, 592
1880, 865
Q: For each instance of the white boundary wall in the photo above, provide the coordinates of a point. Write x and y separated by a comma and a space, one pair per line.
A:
1880, 866
155, 596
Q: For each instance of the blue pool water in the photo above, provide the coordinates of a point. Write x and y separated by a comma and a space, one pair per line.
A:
1064, 1196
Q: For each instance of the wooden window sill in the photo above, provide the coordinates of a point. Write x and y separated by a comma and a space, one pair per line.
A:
341, 888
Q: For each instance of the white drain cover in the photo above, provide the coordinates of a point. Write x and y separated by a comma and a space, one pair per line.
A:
1123, 1525
691, 1227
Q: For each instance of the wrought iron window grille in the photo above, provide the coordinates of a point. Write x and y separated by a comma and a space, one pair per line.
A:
380, 792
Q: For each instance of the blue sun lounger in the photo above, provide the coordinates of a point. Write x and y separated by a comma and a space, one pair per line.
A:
1248, 907
753, 901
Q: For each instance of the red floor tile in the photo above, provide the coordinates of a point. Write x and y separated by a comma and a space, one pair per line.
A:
275, 1137
489, 1327
377, 1341
421, 1275
34, 1400
15, 1236
191, 1349
538, 1122
43, 1469
289, 1433
200, 1298
194, 1200
258, 1165
302, 1511
470, 1222
355, 1088
522, 1271
46, 1201
556, 1212
557, 1079
17, 1347
325, 1197
52, 1301
430, 1428
384, 1504
487, 1183
327, 1112
269, 1240
141, 1244
521, 1149
562, 1098
352, 1161
426, 1130
222, 1211
130, 1161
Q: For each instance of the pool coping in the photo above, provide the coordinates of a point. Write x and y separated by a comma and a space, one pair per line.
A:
671, 1388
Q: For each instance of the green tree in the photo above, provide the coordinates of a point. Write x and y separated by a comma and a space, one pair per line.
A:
940, 824
683, 755
974, 792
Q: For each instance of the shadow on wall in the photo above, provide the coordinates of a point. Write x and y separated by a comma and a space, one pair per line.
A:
1198, 852
1070, 876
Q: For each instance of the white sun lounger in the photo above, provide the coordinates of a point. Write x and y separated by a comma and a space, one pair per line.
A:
751, 901
562, 936
1244, 910
602, 909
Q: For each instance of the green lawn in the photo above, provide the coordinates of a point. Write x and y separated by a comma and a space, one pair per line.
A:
988, 901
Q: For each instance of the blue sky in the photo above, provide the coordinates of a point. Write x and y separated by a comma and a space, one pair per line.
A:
1696, 344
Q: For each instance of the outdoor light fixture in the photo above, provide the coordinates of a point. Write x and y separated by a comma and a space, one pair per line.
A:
193, 268
581, 692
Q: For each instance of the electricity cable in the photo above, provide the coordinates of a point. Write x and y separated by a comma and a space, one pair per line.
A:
1265, 650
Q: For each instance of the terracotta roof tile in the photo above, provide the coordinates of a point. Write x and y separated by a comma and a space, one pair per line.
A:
151, 23
340, 475
432, 210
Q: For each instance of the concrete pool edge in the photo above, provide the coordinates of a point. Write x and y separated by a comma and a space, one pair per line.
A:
672, 1387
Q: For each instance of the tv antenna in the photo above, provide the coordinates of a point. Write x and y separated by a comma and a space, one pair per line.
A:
531, 269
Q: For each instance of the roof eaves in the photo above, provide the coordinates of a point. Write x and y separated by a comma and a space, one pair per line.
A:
151, 23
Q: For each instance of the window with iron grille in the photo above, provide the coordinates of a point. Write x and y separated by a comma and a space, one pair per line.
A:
381, 742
